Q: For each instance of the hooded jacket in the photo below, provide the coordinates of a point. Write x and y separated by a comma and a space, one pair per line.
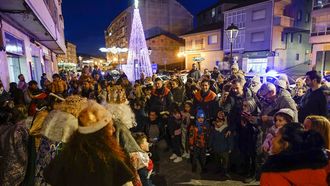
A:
300, 168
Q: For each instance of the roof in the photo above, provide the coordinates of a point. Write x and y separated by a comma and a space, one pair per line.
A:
220, 2
247, 3
172, 36
205, 28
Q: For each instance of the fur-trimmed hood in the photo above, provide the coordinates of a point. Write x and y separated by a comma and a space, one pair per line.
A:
284, 162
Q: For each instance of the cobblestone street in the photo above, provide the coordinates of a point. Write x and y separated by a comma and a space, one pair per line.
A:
180, 173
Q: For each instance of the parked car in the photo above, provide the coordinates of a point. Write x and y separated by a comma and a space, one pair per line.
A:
271, 77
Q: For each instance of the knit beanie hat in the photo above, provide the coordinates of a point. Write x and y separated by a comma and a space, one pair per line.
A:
200, 114
285, 111
93, 118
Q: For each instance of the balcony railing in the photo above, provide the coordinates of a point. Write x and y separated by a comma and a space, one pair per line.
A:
320, 29
318, 4
283, 21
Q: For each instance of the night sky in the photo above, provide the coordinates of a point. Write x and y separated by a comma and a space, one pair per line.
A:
86, 20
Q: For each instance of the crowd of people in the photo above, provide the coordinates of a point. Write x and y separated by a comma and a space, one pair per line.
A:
94, 129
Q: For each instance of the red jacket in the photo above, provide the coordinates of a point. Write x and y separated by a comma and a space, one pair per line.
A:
300, 169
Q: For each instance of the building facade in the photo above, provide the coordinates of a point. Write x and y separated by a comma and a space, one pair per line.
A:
164, 49
68, 60
203, 46
273, 34
158, 17
320, 35
31, 34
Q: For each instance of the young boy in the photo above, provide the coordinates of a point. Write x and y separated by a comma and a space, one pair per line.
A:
221, 143
174, 126
143, 163
198, 136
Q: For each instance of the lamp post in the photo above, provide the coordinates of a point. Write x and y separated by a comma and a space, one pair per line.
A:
232, 32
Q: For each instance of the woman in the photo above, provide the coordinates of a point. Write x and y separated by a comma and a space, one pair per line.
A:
92, 156
298, 158
321, 125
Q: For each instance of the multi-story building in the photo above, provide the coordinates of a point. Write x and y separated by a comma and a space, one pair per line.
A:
203, 46
68, 60
320, 34
158, 17
31, 33
91, 60
273, 34
164, 49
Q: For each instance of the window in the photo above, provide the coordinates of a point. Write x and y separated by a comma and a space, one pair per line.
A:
299, 15
212, 39
291, 38
258, 14
258, 36
282, 36
299, 38
297, 57
307, 18
213, 12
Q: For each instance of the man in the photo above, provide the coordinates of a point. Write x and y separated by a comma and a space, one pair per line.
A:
273, 101
4, 95
22, 84
161, 100
98, 71
194, 73
42, 81
215, 73
206, 100
177, 91
314, 101
234, 69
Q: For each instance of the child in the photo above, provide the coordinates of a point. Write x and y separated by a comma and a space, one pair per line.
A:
221, 143
186, 117
282, 117
198, 136
143, 163
141, 118
174, 126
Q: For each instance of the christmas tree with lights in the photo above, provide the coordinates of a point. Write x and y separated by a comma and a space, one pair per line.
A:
138, 60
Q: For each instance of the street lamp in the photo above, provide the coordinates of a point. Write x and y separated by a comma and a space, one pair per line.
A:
232, 32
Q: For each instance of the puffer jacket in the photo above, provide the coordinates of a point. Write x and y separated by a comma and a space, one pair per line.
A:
13, 153
300, 168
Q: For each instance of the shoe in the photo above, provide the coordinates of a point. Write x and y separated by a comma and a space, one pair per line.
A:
186, 155
227, 176
177, 160
249, 179
173, 156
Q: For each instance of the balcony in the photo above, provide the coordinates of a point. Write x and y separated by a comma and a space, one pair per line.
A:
320, 4
33, 17
283, 2
320, 32
283, 21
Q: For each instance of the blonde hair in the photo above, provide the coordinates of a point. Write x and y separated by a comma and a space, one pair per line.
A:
321, 125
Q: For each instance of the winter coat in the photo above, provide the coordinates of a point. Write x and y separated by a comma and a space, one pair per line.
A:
248, 136
13, 154
313, 103
174, 126
142, 123
218, 141
283, 100
69, 170
178, 95
196, 74
207, 102
161, 99
198, 140
59, 86
299, 168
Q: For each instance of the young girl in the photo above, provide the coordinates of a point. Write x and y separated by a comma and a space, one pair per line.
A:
186, 117
281, 118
